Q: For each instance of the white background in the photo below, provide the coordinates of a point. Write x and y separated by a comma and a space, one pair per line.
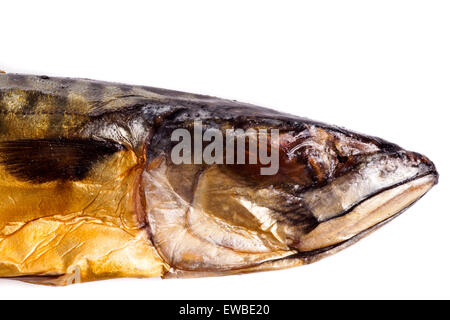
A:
378, 67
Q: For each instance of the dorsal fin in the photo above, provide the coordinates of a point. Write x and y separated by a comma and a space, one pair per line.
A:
45, 160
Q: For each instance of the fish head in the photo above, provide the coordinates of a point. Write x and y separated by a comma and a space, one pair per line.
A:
330, 188
333, 186
346, 185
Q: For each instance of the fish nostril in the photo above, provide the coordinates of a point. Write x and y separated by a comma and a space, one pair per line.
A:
421, 159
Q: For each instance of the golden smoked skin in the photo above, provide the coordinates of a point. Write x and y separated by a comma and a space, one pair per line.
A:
88, 189
65, 232
53, 228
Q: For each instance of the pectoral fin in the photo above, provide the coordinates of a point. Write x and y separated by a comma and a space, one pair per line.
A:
45, 160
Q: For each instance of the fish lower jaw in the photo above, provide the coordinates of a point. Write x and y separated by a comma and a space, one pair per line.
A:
366, 215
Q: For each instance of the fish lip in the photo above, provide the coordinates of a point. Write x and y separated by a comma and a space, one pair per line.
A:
432, 172
313, 255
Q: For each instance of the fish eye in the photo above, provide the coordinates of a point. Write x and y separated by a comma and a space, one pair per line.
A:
307, 159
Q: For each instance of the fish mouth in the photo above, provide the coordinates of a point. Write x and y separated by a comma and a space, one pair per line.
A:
337, 233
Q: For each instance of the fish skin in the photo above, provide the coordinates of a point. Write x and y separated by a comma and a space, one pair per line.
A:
326, 173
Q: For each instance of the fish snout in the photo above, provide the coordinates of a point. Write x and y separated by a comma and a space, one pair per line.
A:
413, 165
379, 188
425, 164
409, 158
